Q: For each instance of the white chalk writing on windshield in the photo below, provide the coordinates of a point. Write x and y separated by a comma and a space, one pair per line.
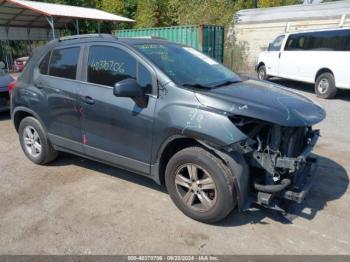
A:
108, 65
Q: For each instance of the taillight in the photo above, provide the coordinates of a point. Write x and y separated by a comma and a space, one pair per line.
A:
11, 86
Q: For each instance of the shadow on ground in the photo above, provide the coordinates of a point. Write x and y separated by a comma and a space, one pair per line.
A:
309, 88
5, 116
330, 184
66, 159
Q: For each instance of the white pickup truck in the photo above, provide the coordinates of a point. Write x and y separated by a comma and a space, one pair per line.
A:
320, 57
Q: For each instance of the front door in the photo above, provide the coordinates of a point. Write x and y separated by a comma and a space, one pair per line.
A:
116, 129
56, 78
273, 56
295, 60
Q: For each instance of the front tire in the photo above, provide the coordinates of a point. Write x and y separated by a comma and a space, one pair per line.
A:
262, 74
34, 142
325, 86
200, 185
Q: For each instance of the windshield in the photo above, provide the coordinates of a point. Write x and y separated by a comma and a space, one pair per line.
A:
187, 66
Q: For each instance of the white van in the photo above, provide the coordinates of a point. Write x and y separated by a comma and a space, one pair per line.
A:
320, 57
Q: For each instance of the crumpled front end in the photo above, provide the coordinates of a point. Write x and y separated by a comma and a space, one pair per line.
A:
281, 167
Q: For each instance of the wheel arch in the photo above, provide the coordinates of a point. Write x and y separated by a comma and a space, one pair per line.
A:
169, 148
321, 71
261, 63
22, 112
233, 161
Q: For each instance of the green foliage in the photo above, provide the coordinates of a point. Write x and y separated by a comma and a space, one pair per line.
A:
218, 12
271, 3
153, 13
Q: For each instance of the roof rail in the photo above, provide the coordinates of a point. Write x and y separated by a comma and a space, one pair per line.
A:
72, 37
146, 37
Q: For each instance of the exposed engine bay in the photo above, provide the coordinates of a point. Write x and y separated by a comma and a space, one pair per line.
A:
279, 160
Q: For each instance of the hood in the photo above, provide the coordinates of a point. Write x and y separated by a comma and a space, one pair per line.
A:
265, 101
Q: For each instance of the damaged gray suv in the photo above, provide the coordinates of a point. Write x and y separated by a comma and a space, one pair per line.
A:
166, 111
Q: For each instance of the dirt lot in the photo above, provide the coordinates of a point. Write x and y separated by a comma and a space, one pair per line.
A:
76, 206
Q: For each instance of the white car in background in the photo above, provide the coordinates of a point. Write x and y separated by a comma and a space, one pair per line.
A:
321, 57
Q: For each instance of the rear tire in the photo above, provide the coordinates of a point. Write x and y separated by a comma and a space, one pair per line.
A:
208, 195
325, 86
262, 75
34, 142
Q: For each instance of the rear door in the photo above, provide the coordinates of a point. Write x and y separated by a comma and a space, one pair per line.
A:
56, 77
116, 129
273, 56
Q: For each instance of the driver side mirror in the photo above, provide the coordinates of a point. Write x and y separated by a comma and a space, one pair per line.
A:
130, 88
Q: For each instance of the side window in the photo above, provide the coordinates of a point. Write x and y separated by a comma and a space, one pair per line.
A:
64, 62
276, 45
44, 64
296, 42
347, 41
109, 65
337, 40
145, 79
331, 40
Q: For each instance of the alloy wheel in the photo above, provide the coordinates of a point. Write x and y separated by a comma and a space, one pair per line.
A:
323, 86
32, 141
196, 187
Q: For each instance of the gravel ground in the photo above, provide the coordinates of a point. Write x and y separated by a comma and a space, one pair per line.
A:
77, 206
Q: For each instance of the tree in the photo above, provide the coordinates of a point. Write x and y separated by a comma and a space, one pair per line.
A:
206, 11
153, 13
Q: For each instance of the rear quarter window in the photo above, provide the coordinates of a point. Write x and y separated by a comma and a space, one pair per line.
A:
63, 62
44, 64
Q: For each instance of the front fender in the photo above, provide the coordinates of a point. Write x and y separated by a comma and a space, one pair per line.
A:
240, 173
179, 113
200, 123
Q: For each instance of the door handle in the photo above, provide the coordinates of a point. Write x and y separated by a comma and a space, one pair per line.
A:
89, 100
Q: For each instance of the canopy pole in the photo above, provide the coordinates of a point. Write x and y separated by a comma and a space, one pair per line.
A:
8, 51
52, 25
99, 27
29, 42
77, 26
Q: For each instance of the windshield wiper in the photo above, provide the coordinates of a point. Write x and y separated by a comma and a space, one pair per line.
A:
226, 83
196, 85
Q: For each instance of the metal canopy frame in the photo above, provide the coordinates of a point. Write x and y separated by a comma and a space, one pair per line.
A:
29, 14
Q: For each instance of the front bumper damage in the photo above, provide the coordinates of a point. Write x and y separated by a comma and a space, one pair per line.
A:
295, 192
293, 186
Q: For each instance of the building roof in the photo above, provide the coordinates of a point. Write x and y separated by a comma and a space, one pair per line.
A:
22, 13
293, 12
